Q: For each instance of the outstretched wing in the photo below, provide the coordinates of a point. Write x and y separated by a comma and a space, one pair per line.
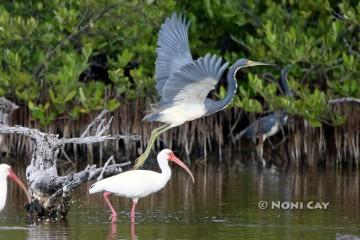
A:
173, 49
194, 81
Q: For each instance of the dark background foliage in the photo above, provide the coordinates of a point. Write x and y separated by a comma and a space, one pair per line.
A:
62, 59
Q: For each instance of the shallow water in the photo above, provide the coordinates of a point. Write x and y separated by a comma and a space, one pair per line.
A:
222, 204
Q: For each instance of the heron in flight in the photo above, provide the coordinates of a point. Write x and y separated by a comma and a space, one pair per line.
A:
183, 83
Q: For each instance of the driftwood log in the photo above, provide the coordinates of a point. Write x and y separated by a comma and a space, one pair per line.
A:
50, 192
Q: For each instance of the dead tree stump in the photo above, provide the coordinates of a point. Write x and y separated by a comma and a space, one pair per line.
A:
50, 192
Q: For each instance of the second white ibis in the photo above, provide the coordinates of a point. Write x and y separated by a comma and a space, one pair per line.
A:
5, 172
137, 184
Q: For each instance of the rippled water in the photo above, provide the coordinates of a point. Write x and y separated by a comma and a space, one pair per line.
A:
222, 204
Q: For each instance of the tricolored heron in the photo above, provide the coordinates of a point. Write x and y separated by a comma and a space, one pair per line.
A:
137, 184
269, 125
183, 83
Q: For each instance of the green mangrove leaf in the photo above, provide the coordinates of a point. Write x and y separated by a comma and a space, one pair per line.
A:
70, 95
112, 104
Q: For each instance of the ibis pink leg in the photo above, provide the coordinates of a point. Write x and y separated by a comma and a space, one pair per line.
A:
113, 215
133, 235
132, 214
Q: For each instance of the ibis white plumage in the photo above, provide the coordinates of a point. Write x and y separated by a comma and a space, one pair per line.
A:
5, 172
137, 184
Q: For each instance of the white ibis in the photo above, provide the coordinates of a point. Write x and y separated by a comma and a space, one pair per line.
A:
6, 171
137, 184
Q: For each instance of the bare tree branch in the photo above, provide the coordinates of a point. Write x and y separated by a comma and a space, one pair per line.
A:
29, 132
49, 190
95, 139
111, 159
345, 99
96, 120
89, 173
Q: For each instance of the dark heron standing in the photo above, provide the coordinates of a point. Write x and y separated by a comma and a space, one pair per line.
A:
269, 125
183, 83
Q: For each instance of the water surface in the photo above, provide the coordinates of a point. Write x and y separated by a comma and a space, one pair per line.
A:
222, 204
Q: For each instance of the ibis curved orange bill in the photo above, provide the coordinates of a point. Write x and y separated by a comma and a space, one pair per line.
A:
174, 159
17, 180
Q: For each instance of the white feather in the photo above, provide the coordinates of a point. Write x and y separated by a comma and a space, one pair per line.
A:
272, 131
3, 192
131, 184
4, 171
136, 183
182, 112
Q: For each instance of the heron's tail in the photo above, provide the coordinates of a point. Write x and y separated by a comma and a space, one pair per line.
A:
152, 117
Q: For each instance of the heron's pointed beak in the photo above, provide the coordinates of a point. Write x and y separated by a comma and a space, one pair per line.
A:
181, 164
252, 63
17, 180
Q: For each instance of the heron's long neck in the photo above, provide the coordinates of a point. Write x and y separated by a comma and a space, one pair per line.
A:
284, 83
231, 90
3, 191
285, 90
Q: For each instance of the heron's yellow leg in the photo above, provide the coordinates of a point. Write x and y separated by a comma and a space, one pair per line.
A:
154, 134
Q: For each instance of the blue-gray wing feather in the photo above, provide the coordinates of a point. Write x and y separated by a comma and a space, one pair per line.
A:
263, 125
193, 81
173, 50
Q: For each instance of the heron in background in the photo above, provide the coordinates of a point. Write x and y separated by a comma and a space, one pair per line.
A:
5, 172
269, 125
183, 84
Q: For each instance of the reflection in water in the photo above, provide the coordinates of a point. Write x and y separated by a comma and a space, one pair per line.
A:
133, 233
222, 204
4, 228
54, 231
112, 232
